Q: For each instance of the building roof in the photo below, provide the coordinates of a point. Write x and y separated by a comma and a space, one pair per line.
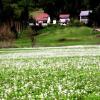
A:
41, 17
64, 15
85, 13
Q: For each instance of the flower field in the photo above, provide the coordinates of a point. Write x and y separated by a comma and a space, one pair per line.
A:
50, 74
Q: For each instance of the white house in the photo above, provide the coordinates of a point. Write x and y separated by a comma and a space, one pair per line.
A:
84, 16
43, 19
64, 19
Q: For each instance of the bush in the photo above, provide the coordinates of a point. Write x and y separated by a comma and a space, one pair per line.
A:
75, 22
7, 44
29, 33
6, 36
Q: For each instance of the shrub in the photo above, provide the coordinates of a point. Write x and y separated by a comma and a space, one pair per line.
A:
6, 36
75, 22
29, 33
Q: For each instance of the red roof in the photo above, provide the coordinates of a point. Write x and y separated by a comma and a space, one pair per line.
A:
64, 15
42, 17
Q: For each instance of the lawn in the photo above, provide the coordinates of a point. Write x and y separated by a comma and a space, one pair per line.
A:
59, 36
24, 39
24, 75
62, 36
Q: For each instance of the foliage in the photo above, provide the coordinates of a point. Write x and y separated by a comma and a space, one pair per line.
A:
97, 15
75, 22
25, 38
19, 10
53, 7
5, 34
52, 35
6, 37
25, 76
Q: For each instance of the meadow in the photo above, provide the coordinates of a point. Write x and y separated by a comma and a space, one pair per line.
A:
65, 36
35, 74
60, 36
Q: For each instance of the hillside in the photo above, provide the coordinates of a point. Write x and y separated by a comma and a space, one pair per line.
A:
60, 36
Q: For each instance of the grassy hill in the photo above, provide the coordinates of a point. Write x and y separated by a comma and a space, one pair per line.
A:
61, 36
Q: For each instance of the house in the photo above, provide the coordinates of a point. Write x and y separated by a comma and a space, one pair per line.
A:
84, 16
42, 19
64, 19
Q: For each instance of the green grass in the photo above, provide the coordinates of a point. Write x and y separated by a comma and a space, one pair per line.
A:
23, 42
24, 39
62, 36
61, 78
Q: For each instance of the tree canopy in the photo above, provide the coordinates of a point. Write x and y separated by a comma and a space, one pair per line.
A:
16, 9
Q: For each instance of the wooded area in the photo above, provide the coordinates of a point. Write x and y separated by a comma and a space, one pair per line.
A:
19, 9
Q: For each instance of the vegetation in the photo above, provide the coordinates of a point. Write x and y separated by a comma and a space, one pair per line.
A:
19, 11
24, 39
58, 36
62, 36
20, 8
53, 36
52, 73
24, 76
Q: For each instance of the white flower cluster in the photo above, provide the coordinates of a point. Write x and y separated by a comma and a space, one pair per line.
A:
25, 76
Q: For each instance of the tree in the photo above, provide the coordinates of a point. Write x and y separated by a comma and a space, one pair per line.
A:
16, 9
55, 7
1, 10
97, 15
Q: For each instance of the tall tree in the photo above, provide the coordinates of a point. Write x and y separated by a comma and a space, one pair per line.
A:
1, 10
54, 7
